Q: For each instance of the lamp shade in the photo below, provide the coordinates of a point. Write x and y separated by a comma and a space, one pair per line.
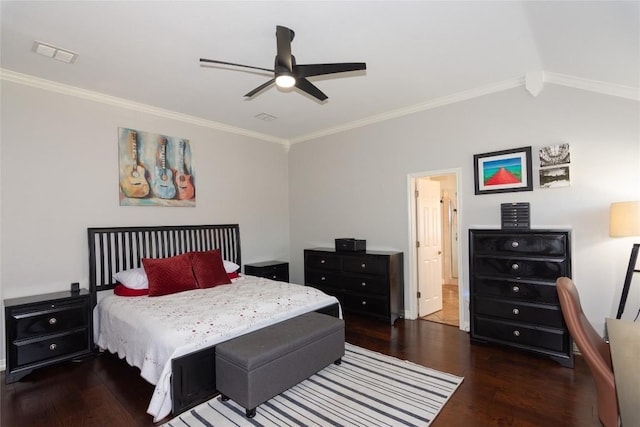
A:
624, 219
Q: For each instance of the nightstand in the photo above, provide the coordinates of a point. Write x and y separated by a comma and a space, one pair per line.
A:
275, 270
45, 329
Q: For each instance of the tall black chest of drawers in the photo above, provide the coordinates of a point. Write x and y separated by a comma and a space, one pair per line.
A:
513, 295
368, 283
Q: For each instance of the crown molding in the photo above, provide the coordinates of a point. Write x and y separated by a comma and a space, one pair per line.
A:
435, 103
605, 88
52, 86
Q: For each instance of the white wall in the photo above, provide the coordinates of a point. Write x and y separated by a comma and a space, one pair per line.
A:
354, 184
59, 175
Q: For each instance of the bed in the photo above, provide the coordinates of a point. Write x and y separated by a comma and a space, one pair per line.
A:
172, 338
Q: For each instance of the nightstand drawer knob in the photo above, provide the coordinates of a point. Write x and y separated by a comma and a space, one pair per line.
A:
516, 289
363, 265
514, 244
323, 278
52, 346
515, 311
274, 276
364, 284
515, 266
53, 321
322, 261
516, 333
364, 303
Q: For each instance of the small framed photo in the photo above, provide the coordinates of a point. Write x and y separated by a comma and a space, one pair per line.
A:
503, 171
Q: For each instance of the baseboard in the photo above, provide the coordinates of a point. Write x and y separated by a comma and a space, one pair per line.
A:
576, 350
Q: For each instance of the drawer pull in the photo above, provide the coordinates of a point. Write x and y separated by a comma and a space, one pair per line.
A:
516, 333
322, 261
274, 276
514, 244
516, 289
363, 265
364, 303
52, 346
515, 311
53, 321
515, 266
323, 278
364, 284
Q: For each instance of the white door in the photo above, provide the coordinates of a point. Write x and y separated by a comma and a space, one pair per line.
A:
429, 235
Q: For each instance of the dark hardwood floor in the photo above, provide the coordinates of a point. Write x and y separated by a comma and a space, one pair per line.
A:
501, 387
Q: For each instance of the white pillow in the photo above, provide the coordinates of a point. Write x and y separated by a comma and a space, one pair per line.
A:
135, 278
230, 267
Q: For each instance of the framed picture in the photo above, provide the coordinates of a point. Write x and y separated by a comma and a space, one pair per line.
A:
155, 170
503, 171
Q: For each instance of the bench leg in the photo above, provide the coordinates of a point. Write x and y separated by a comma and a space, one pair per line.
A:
224, 398
251, 413
338, 361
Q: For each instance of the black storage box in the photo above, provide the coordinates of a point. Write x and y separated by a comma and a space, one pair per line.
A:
350, 245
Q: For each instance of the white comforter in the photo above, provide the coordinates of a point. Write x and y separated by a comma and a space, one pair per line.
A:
150, 331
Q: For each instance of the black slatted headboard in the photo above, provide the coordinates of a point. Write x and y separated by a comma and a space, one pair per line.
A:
114, 249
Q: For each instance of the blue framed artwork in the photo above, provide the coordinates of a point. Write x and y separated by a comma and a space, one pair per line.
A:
503, 171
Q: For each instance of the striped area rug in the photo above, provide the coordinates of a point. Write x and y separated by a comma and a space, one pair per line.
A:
367, 389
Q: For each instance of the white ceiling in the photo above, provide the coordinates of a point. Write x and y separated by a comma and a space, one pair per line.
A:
418, 53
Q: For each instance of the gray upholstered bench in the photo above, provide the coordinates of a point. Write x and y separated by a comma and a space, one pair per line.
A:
253, 368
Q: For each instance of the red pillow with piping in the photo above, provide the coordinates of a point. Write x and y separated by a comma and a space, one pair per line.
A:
169, 275
209, 269
123, 291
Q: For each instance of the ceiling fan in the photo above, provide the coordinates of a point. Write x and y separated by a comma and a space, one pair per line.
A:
288, 74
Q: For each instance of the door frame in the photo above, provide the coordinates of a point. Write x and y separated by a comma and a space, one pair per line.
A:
411, 309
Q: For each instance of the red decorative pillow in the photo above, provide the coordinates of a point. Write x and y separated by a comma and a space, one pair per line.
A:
208, 269
123, 291
169, 275
233, 275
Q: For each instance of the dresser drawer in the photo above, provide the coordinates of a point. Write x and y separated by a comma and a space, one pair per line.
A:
367, 304
515, 267
532, 244
364, 284
50, 318
519, 311
365, 265
554, 340
322, 261
50, 347
517, 290
323, 279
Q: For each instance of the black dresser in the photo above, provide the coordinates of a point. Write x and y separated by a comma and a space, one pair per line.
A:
45, 329
368, 283
513, 294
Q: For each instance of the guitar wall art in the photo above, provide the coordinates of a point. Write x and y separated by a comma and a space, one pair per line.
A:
155, 170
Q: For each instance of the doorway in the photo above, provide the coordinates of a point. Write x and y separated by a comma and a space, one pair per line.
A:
435, 235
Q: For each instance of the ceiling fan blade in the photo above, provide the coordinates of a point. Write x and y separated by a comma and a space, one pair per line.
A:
213, 61
309, 70
259, 88
308, 87
284, 36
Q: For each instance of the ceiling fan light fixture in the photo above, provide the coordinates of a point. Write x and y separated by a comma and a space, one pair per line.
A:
285, 80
